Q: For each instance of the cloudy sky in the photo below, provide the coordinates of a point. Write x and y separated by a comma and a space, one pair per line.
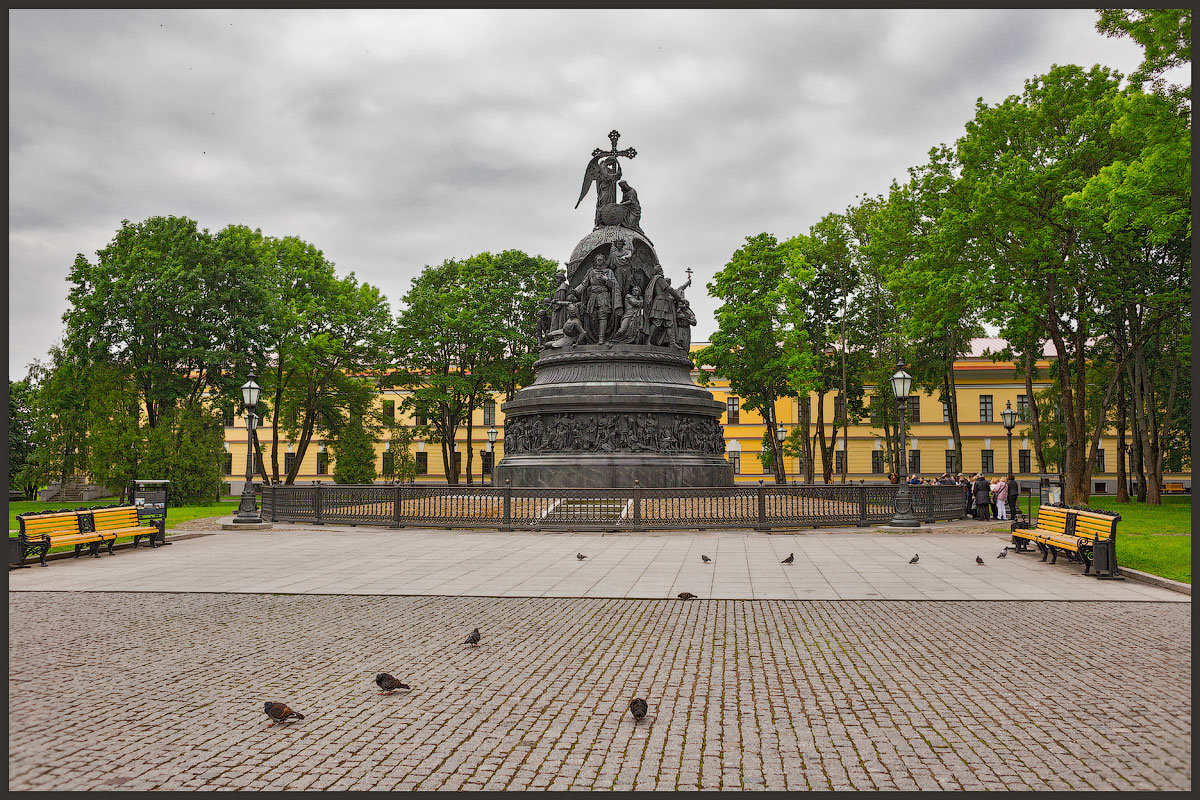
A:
396, 139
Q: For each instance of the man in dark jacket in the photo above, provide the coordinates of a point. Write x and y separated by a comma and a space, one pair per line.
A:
982, 491
1014, 489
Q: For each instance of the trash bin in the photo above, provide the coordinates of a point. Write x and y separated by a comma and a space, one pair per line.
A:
150, 498
1104, 559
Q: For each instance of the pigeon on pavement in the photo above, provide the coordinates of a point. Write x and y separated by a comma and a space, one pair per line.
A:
913, 560
1003, 553
686, 596
389, 684
473, 637
279, 712
978, 559
637, 707
580, 556
791, 557
705, 558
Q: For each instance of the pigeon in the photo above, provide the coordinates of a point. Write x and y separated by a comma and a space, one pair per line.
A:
389, 684
913, 560
978, 559
791, 557
705, 559
686, 596
1003, 553
279, 712
580, 556
473, 637
637, 707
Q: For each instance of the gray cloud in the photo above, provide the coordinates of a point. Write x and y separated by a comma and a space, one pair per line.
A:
395, 139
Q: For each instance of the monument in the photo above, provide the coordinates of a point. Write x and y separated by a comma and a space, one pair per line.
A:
613, 400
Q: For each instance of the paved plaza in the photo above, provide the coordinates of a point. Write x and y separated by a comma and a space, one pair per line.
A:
149, 669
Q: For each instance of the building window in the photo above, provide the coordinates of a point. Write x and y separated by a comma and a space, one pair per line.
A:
732, 411
873, 408
800, 463
839, 461
1022, 408
389, 409
877, 462
839, 407
293, 418
736, 460
987, 461
456, 461
258, 464
489, 412
388, 460
419, 418
952, 461
914, 462
985, 408
485, 461
322, 464
229, 463
914, 408
1023, 461
1098, 462
422, 463
289, 460
227, 415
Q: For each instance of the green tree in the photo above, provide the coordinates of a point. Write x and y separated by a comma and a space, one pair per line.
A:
354, 438
746, 348
58, 415
22, 474
1165, 35
185, 448
467, 330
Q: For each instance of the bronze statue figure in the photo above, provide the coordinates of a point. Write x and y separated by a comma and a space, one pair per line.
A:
601, 297
605, 170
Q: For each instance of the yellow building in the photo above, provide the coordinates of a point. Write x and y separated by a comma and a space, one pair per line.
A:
984, 387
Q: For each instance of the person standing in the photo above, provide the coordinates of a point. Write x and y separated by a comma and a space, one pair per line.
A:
1014, 492
982, 502
1000, 493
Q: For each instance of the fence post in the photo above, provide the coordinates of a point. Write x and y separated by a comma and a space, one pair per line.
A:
929, 515
317, 505
397, 501
862, 507
507, 505
762, 507
637, 504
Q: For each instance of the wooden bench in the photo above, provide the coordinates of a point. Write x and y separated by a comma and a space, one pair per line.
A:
1073, 531
41, 531
1173, 487
121, 522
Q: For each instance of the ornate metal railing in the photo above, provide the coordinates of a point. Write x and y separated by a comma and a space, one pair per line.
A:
762, 507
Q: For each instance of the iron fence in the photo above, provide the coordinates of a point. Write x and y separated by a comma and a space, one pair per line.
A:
762, 507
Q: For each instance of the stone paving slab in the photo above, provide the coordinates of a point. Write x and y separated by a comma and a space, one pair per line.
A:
828, 566
164, 691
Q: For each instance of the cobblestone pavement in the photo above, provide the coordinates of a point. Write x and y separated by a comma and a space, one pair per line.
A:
355, 561
165, 691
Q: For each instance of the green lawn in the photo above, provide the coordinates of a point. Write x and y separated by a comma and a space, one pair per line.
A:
1154, 539
174, 515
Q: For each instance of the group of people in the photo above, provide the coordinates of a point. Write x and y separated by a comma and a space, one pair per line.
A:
617, 301
986, 499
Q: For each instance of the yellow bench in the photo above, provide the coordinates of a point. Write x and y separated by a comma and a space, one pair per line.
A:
122, 522
1173, 486
39, 532
1073, 531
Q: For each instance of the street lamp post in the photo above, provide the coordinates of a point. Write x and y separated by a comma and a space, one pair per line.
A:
780, 435
492, 434
247, 513
1010, 421
903, 518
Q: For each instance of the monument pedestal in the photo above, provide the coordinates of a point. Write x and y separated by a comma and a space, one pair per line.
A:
603, 416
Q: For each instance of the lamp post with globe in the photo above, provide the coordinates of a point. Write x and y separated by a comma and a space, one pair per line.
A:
247, 513
901, 385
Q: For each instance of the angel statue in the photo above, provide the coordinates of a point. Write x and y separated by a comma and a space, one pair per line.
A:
605, 171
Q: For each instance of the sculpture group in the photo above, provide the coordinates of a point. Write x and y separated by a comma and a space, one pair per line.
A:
616, 297
608, 433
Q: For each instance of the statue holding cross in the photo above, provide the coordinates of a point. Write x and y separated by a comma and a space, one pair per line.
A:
605, 170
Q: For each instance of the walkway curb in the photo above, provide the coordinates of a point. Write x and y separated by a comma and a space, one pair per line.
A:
176, 537
1155, 580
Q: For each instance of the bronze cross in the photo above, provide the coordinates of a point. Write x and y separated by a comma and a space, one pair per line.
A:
628, 152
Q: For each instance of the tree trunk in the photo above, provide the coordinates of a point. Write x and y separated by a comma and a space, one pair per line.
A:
470, 428
1034, 418
952, 411
275, 427
806, 446
1122, 481
1167, 412
768, 404
826, 467
1151, 441
1135, 448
